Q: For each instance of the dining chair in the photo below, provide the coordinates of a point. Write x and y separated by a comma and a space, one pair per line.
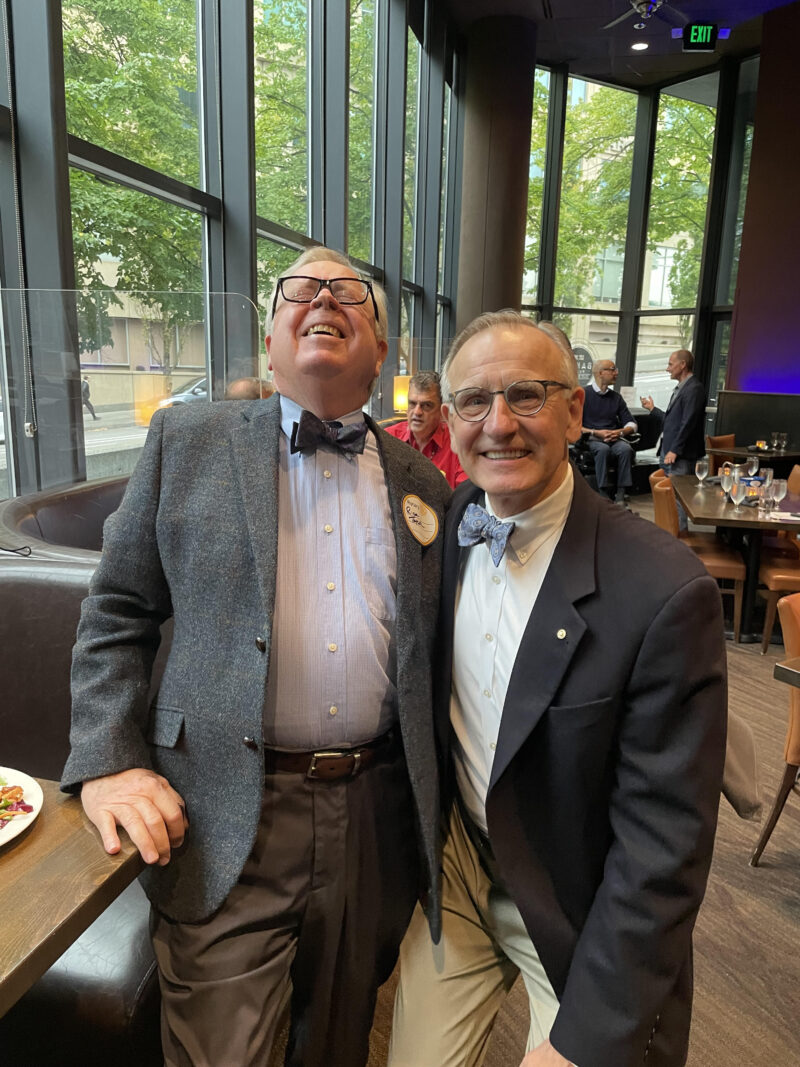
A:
723, 563
657, 476
725, 440
789, 611
780, 575
793, 481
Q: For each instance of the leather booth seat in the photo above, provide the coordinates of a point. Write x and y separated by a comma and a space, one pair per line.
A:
99, 1003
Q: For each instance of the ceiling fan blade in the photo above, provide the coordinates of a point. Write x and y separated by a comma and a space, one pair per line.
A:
669, 13
622, 18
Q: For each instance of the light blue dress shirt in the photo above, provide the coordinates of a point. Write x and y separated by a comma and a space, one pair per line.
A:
333, 660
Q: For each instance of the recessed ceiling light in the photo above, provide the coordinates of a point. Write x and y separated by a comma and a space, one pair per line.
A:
640, 46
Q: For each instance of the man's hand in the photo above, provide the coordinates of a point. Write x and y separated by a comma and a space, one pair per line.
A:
647, 402
544, 1055
670, 457
144, 804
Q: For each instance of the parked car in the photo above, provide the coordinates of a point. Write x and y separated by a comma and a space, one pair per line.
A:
196, 390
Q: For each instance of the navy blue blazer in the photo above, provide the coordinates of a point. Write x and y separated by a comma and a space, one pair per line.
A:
604, 792
683, 425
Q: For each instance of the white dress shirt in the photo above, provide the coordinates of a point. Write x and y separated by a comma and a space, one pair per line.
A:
492, 611
332, 668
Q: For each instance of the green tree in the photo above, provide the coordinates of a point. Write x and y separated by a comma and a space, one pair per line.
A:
595, 191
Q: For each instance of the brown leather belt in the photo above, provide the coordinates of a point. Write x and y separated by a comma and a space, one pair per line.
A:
329, 764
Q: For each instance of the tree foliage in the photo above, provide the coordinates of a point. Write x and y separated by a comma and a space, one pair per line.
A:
595, 186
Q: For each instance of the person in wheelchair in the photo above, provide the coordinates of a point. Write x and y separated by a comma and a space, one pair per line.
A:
606, 423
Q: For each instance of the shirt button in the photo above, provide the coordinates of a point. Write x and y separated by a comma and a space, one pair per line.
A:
326, 474
261, 644
333, 710
330, 586
492, 745
495, 579
488, 637
332, 647
328, 528
561, 634
487, 692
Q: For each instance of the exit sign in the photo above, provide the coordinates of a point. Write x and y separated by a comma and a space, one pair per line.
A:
700, 37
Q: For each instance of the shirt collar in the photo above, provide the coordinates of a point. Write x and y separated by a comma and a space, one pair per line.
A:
597, 389
534, 526
291, 411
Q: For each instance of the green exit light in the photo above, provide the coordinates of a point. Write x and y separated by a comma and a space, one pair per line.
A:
700, 37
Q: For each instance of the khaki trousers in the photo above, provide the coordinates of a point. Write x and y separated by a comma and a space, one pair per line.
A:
449, 994
314, 922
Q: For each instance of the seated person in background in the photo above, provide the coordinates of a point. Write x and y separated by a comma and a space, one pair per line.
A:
607, 421
425, 430
248, 389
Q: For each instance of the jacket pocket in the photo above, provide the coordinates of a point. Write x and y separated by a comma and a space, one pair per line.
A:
165, 727
575, 716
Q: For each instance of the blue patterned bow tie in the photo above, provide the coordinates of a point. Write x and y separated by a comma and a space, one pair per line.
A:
311, 431
478, 525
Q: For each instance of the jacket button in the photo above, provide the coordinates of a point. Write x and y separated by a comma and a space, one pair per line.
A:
251, 742
261, 644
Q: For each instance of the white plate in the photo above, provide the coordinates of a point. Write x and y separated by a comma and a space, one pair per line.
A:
31, 794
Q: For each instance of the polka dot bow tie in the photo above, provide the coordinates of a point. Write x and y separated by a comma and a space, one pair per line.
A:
478, 525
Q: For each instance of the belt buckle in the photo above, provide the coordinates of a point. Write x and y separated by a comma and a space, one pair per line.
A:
312, 767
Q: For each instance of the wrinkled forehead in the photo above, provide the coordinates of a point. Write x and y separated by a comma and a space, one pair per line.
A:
421, 396
501, 355
323, 268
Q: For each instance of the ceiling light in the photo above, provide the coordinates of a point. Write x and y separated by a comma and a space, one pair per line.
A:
640, 46
640, 26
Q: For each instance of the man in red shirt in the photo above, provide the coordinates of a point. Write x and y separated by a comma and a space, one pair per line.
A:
425, 430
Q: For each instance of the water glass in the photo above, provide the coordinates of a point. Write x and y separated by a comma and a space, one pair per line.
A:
767, 474
765, 498
783, 439
738, 490
701, 470
779, 489
773, 441
752, 466
726, 477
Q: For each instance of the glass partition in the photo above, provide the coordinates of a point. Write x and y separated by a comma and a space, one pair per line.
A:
99, 364
592, 335
360, 157
533, 229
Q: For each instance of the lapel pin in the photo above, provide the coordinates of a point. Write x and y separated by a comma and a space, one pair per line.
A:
561, 634
420, 519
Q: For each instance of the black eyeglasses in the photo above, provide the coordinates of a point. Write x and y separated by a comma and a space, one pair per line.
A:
299, 289
523, 398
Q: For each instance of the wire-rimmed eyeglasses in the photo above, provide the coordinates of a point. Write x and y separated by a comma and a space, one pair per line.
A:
523, 398
300, 289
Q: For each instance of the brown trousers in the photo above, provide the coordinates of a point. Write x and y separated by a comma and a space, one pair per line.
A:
315, 921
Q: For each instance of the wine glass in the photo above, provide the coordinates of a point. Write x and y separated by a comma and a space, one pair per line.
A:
701, 470
783, 439
726, 478
738, 490
752, 466
779, 489
767, 474
773, 440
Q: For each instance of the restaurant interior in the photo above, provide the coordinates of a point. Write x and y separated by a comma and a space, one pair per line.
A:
587, 162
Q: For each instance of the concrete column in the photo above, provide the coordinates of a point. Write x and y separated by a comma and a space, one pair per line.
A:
501, 58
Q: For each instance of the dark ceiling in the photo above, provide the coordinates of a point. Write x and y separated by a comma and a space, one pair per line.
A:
572, 32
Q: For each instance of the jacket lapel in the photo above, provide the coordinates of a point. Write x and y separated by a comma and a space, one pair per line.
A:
255, 445
554, 629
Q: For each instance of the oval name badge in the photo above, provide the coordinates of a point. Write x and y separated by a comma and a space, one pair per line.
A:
420, 519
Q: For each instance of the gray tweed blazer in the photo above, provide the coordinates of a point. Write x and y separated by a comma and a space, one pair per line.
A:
195, 540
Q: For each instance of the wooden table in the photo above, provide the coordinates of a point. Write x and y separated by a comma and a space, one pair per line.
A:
708, 506
55, 879
781, 462
789, 672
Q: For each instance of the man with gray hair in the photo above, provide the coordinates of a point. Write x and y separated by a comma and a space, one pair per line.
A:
282, 784
580, 713
424, 428
607, 422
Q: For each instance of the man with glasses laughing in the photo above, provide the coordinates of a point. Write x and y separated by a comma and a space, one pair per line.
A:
282, 786
580, 712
